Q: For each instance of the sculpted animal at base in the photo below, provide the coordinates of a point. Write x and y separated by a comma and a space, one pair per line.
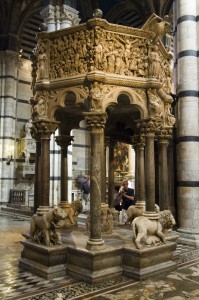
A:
73, 210
133, 211
43, 227
144, 228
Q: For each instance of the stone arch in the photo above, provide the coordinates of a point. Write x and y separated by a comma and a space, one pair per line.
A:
135, 99
60, 101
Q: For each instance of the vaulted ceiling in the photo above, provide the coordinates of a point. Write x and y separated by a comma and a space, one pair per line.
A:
20, 19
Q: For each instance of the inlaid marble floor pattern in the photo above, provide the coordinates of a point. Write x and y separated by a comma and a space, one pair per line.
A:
17, 284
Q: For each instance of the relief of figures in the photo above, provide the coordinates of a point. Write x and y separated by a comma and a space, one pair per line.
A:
98, 49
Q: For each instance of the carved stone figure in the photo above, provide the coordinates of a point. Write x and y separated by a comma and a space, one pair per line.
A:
155, 104
133, 212
167, 220
170, 119
96, 96
72, 211
144, 228
43, 227
154, 62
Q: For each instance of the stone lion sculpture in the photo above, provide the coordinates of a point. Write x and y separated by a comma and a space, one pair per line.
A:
133, 211
147, 231
73, 210
43, 227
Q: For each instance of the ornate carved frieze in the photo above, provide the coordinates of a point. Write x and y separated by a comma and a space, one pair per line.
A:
100, 46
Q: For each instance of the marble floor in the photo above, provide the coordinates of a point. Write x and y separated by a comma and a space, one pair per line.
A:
17, 284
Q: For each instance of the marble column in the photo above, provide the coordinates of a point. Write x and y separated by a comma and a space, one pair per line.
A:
140, 194
131, 163
148, 128
187, 118
68, 17
37, 179
106, 142
64, 141
44, 129
95, 122
111, 174
48, 15
163, 173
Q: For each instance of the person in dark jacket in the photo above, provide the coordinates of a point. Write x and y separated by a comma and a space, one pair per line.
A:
128, 198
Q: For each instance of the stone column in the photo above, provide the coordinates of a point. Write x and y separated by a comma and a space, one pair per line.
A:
131, 160
68, 17
37, 179
187, 118
44, 129
111, 174
95, 122
64, 141
163, 170
48, 15
104, 171
140, 178
9, 75
148, 127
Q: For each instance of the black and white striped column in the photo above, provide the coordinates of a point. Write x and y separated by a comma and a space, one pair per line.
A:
187, 115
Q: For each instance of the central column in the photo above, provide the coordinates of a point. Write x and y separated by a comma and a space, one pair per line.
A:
95, 122
148, 127
64, 141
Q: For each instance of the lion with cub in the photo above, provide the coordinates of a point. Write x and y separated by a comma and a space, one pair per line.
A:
150, 232
43, 227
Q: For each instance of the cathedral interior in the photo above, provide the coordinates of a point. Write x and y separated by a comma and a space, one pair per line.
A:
105, 90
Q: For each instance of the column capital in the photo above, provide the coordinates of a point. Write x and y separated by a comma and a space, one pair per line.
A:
95, 120
138, 140
64, 141
149, 126
68, 16
43, 129
164, 134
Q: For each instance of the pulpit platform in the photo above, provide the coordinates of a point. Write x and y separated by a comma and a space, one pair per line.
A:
117, 256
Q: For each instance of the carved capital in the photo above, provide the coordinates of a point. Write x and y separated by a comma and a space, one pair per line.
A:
43, 129
64, 141
95, 120
149, 126
164, 134
138, 141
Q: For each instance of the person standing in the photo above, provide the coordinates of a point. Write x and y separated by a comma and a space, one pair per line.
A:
128, 199
85, 188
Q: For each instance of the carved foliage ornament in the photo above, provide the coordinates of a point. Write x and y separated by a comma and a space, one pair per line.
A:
43, 129
95, 120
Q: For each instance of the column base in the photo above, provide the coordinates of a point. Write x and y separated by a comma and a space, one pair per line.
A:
47, 262
94, 267
151, 215
188, 238
143, 263
95, 244
42, 210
